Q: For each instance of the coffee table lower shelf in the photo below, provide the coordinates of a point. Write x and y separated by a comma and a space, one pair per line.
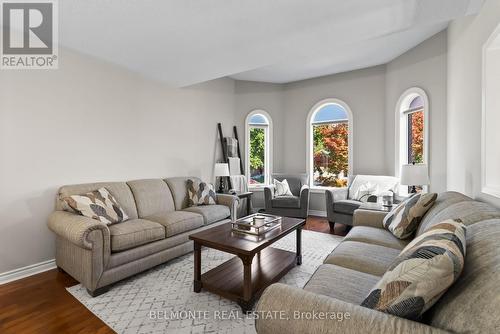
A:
267, 267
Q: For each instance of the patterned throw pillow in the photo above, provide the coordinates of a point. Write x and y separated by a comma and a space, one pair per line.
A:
282, 188
365, 191
200, 193
404, 219
422, 273
98, 204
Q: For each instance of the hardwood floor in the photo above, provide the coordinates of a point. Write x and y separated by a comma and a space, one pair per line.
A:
41, 304
320, 224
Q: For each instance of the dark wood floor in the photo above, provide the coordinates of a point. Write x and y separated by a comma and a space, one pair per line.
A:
41, 304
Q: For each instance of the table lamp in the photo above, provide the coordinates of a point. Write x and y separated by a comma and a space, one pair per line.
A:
221, 170
414, 175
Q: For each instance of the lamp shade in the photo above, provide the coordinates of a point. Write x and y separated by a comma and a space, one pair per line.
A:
221, 169
414, 175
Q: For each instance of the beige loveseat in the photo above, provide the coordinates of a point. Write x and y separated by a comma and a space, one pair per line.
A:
160, 222
471, 305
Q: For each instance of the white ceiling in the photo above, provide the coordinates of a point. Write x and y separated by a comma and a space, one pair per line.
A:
184, 42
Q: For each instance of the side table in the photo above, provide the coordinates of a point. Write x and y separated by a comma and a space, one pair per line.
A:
247, 195
376, 207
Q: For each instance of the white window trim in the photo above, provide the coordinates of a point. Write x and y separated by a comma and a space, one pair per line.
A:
310, 143
268, 161
401, 149
486, 188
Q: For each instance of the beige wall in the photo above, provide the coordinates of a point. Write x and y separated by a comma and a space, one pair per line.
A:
91, 121
425, 67
466, 38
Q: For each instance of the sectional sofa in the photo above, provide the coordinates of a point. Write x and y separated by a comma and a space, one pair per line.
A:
160, 222
339, 286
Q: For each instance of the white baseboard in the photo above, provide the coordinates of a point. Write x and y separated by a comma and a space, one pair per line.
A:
23, 272
318, 213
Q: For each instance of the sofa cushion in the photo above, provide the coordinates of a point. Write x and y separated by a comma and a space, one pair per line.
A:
364, 257
151, 196
99, 205
469, 212
211, 213
422, 273
405, 218
120, 191
443, 201
376, 236
176, 222
133, 233
346, 206
471, 304
341, 283
286, 202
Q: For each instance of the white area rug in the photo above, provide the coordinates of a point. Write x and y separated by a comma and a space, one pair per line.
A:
161, 300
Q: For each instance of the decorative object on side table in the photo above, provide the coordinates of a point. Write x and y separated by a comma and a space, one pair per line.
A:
221, 170
256, 224
414, 175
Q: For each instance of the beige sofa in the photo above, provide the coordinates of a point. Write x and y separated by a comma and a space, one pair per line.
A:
160, 222
471, 305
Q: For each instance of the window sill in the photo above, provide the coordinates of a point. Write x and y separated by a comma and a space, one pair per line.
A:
256, 189
321, 190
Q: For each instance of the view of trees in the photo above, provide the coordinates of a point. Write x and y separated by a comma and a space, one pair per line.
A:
416, 123
257, 152
331, 154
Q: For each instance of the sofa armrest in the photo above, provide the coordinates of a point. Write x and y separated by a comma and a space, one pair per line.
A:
268, 196
304, 197
230, 201
368, 218
331, 196
286, 309
77, 229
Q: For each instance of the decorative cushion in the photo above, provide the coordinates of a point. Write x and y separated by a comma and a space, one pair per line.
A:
364, 191
405, 218
200, 193
98, 204
281, 188
422, 273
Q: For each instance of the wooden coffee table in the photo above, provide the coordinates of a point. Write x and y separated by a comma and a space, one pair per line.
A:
256, 265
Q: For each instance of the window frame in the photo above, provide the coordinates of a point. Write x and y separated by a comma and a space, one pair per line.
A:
402, 130
268, 147
310, 139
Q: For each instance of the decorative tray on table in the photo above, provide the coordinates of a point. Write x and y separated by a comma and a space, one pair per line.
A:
256, 224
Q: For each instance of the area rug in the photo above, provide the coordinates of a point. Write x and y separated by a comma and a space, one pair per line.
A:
161, 300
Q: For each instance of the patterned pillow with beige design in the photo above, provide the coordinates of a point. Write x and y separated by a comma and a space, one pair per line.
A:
99, 205
422, 273
405, 218
200, 193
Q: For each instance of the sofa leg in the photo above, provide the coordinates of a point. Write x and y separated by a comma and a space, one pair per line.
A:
99, 291
332, 226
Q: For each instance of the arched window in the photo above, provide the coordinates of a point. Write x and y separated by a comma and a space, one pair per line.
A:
329, 134
258, 146
412, 124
